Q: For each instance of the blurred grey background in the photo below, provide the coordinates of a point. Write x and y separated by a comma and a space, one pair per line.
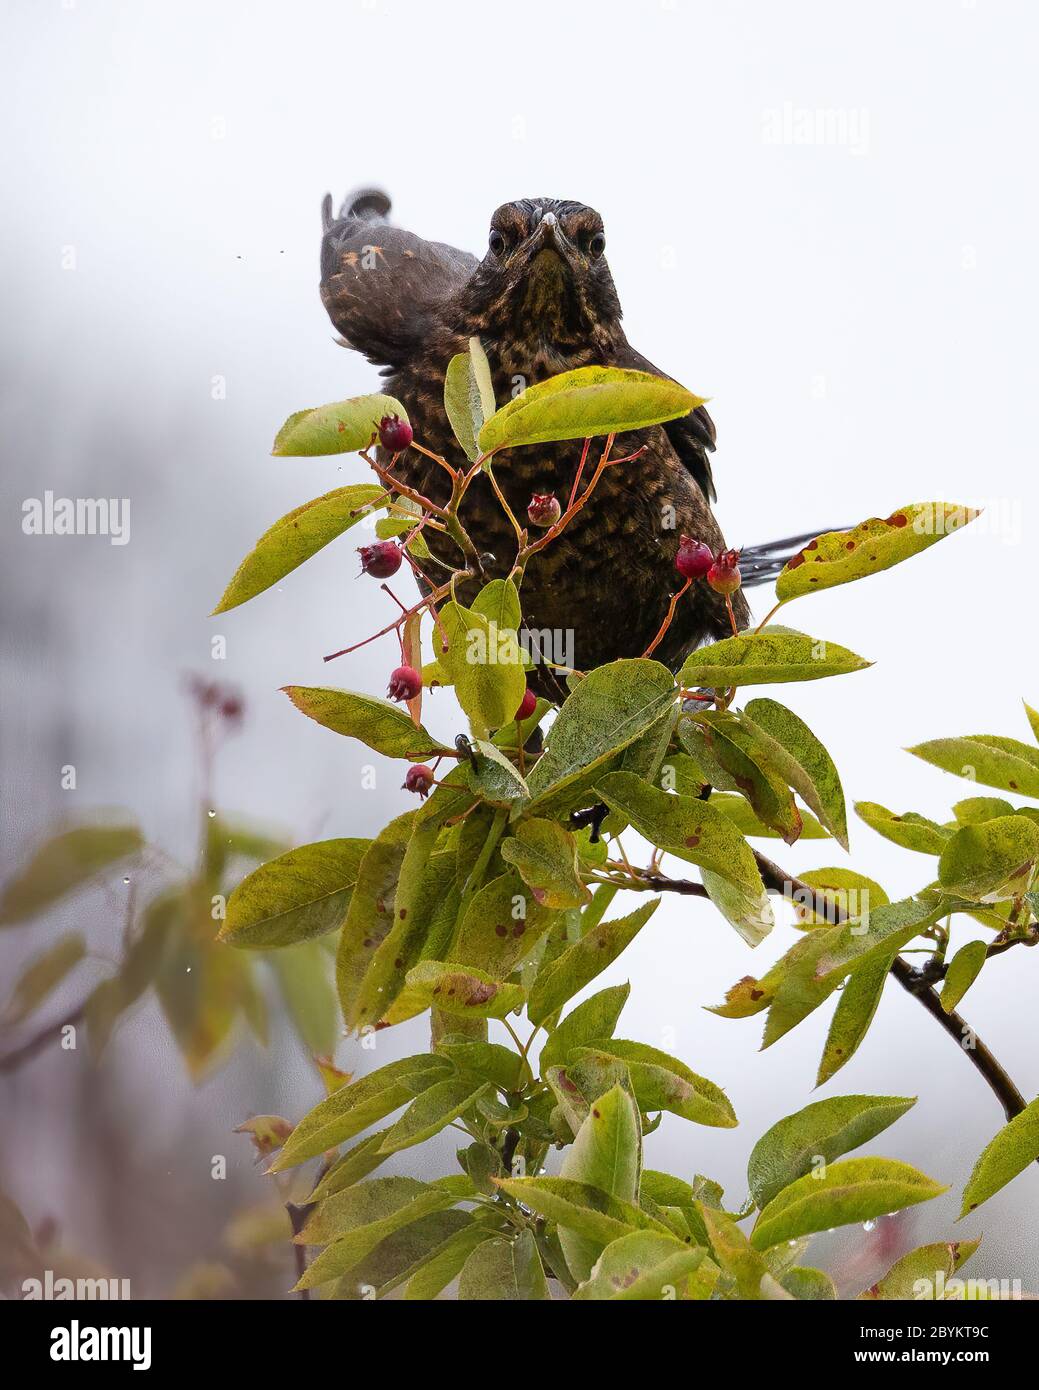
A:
822, 217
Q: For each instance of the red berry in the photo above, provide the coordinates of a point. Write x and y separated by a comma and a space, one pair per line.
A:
724, 575
395, 434
527, 705
543, 510
405, 683
419, 778
694, 558
381, 559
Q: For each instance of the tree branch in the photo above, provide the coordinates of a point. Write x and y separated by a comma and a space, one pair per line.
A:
915, 982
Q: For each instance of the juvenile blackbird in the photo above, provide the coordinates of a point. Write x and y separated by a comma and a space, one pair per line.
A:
542, 301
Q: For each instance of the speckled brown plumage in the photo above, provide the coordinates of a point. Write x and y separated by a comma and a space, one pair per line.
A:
542, 301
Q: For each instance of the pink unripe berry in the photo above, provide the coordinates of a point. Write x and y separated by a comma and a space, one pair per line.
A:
419, 778
544, 510
527, 705
381, 560
395, 434
694, 558
405, 683
724, 575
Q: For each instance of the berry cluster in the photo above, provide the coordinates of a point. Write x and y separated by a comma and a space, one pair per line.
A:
696, 561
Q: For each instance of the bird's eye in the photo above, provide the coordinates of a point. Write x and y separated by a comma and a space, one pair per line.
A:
496, 242
597, 245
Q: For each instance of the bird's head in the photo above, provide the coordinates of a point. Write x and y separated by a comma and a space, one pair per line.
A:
544, 273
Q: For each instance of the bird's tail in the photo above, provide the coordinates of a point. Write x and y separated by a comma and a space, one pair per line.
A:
760, 564
363, 205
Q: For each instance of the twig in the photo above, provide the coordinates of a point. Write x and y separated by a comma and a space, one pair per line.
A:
10, 1061
297, 1220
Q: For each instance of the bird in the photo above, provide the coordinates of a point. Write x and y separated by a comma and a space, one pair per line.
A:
541, 301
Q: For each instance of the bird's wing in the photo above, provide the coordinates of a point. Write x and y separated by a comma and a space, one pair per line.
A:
379, 283
692, 436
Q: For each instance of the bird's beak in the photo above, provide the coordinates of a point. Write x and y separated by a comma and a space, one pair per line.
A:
548, 245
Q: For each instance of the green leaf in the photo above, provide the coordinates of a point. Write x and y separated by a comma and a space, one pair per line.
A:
723, 739
983, 760
370, 916
874, 545
303, 978
398, 1256
609, 710
497, 780
432, 1111
847, 894
860, 943
586, 402
484, 662
658, 1081
822, 1131
385, 728
807, 1283
506, 1269
63, 864
461, 990
297, 536
908, 830
922, 1271
853, 1190
353, 1108
344, 427
591, 1021
353, 1222
1033, 720
974, 809
42, 976
363, 1158
491, 1061
468, 396
964, 969
607, 1155
545, 854
641, 1266
580, 963
768, 658
1008, 1154
694, 831
299, 895
990, 861
797, 755
738, 1257
499, 602
501, 926
855, 1010
582, 1208
445, 1263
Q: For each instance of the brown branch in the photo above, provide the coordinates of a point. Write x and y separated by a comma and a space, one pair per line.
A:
298, 1219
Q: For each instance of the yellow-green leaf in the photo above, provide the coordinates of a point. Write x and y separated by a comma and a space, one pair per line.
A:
385, 728
1003, 1158
992, 860
583, 403
343, 427
874, 545
1003, 763
297, 536
770, 657
853, 1190
964, 969
299, 895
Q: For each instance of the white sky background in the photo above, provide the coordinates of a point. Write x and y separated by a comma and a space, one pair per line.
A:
862, 314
